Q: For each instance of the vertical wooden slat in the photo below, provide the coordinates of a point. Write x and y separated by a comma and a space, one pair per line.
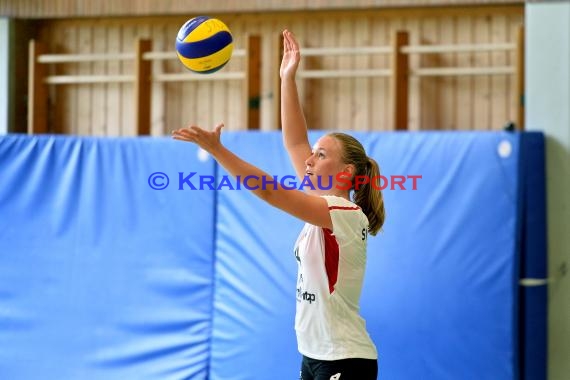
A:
252, 88
84, 45
22, 32
218, 109
499, 83
344, 86
464, 83
313, 87
360, 99
413, 27
400, 80
158, 94
37, 90
520, 78
329, 88
277, 86
266, 103
298, 28
59, 94
233, 89
173, 91
378, 33
142, 87
447, 85
396, 23
113, 101
72, 92
499, 100
430, 86
482, 83
127, 121
99, 93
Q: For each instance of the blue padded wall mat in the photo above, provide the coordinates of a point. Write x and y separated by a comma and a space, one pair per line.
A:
440, 294
102, 277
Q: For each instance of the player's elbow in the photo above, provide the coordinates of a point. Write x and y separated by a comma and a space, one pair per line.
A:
264, 194
270, 195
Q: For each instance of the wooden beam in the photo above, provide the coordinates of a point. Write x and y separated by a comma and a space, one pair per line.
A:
171, 55
114, 9
252, 90
356, 50
457, 48
83, 79
459, 71
400, 81
142, 87
37, 90
335, 74
192, 77
520, 78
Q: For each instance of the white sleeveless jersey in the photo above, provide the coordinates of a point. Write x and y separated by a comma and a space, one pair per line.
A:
329, 282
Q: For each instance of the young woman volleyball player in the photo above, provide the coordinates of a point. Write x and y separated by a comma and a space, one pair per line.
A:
331, 248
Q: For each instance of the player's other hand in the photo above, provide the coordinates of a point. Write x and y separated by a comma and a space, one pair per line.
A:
207, 140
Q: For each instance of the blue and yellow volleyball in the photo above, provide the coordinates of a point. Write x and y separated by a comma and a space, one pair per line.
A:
204, 45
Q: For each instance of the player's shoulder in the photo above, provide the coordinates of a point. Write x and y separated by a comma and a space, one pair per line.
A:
347, 216
340, 203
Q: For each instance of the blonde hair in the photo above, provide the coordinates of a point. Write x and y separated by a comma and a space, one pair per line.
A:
369, 199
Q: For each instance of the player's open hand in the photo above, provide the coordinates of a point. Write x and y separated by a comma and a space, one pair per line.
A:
207, 140
291, 55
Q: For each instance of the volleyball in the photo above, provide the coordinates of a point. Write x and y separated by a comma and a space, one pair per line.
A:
204, 45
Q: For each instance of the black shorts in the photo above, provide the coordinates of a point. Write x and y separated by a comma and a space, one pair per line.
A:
345, 369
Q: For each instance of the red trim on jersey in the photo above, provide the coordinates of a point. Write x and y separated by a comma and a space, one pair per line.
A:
343, 208
331, 258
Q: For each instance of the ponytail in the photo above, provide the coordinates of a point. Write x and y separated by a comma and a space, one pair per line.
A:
369, 199
368, 196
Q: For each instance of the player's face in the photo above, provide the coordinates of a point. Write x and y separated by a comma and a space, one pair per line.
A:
325, 163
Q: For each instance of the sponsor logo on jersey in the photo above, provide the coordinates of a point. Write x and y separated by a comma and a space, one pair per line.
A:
306, 296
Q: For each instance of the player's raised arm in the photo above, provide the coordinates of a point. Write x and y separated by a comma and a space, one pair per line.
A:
293, 121
308, 208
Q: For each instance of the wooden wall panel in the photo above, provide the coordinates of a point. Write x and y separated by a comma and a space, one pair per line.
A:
481, 102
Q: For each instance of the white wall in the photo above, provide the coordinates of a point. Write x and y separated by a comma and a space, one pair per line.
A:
548, 109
